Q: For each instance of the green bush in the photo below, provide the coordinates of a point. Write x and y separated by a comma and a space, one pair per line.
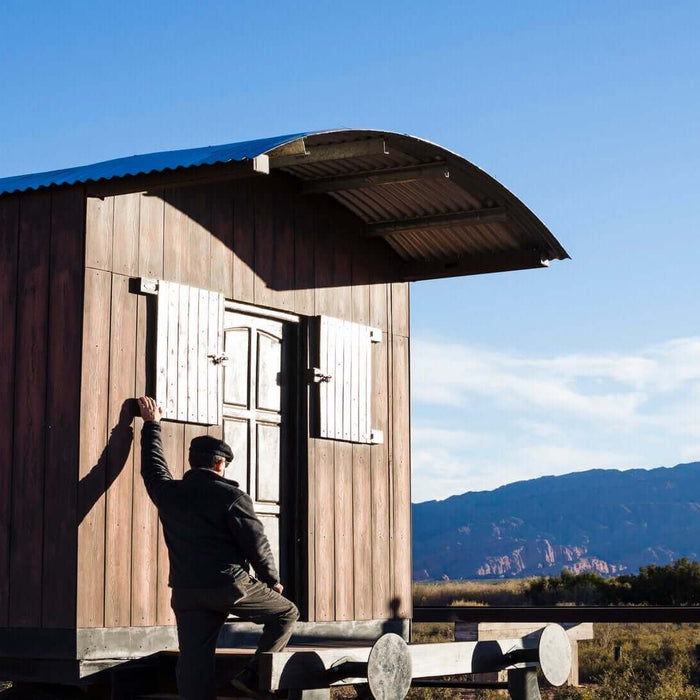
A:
673, 584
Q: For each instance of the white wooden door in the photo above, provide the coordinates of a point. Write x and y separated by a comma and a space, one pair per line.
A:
253, 413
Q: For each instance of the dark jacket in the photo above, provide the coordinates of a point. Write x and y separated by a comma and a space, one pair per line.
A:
209, 524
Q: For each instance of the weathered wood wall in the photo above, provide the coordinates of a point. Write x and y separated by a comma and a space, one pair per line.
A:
41, 287
255, 241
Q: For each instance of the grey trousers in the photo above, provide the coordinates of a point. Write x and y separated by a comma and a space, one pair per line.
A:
200, 615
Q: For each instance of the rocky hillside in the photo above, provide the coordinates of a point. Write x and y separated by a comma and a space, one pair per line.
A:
601, 520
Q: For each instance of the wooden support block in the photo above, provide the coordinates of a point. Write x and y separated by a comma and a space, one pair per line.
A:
522, 684
310, 694
486, 631
333, 151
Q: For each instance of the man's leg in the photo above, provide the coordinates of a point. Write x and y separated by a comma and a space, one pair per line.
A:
197, 632
264, 606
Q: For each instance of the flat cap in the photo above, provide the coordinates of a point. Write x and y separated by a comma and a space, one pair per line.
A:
209, 445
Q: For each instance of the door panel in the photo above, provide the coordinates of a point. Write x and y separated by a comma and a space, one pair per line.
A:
236, 435
236, 373
268, 473
269, 367
254, 414
272, 530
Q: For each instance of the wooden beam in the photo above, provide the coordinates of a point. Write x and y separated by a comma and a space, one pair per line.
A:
314, 668
308, 668
488, 631
370, 178
453, 658
293, 148
183, 177
583, 613
334, 151
473, 217
504, 261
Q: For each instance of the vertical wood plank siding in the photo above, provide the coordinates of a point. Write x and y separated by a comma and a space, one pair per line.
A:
62, 409
256, 242
379, 454
26, 533
244, 242
144, 551
93, 447
41, 285
119, 496
173, 435
401, 438
379, 478
9, 237
361, 464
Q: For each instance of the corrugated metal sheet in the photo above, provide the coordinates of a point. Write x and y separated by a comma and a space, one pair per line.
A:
145, 164
467, 189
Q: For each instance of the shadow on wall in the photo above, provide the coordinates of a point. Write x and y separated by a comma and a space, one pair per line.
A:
289, 240
111, 461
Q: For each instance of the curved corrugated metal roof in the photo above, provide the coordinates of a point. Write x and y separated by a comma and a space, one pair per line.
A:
440, 213
145, 164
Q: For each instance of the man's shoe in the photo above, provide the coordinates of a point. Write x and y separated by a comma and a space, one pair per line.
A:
247, 682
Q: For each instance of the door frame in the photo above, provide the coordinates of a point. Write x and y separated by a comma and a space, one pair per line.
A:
293, 484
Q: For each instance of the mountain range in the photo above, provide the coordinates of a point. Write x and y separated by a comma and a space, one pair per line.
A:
602, 520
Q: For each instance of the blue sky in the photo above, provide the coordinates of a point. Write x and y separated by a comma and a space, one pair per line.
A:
588, 112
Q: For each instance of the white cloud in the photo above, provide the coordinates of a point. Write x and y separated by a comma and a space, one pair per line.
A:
605, 387
540, 429
507, 416
454, 375
424, 435
552, 459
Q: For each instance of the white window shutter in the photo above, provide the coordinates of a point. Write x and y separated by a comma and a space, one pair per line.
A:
189, 353
345, 380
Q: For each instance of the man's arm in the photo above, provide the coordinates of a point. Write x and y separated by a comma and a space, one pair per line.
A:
249, 534
154, 468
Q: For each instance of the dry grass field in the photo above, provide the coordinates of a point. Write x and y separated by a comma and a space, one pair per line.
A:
657, 661
510, 592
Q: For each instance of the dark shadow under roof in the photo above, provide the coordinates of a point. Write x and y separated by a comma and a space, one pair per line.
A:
440, 213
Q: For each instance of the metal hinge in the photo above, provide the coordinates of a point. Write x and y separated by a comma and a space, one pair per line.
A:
148, 285
376, 437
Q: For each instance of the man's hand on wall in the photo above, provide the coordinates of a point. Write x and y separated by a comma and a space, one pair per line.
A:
150, 410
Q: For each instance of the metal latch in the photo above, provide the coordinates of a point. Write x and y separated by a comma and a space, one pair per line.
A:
146, 285
218, 359
316, 376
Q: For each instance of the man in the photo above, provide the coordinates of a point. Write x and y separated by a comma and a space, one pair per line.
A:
212, 534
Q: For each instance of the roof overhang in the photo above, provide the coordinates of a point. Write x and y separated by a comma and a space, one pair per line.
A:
441, 214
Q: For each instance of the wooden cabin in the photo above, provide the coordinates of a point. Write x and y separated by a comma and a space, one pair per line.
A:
261, 291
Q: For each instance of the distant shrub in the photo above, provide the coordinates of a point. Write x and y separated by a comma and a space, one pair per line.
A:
672, 584
511, 592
